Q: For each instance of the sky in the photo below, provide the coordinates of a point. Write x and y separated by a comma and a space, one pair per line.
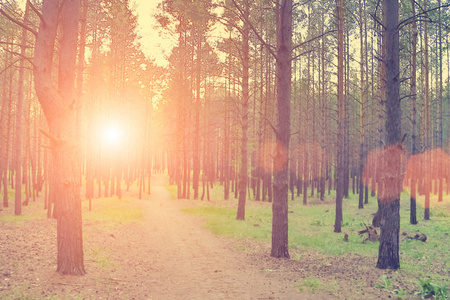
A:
153, 45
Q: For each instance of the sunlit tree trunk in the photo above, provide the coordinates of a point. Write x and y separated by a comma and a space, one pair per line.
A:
19, 117
196, 154
58, 108
244, 119
226, 142
80, 70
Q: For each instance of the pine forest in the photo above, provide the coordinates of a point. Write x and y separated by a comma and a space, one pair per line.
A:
224, 149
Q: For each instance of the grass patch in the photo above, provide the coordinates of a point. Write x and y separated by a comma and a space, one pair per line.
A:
173, 190
21, 219
112, 210
101, 257
222, 221
313, 284
311, 228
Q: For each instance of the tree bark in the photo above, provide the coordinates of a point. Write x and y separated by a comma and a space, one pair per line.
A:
427, 144
362, 110
196, 154
57, 104
388, 253
440, 101
341, 119
412, 214
19, 115
280, 162
244, 112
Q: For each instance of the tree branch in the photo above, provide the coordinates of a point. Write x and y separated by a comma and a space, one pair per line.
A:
17, 22
374, 17
51, 137
18, 54
313, 39
301, 54
13, 44
408, 20
9, 66
241, 16
37, 12
268, 122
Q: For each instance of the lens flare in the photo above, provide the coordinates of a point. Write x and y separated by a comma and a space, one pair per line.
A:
112, 135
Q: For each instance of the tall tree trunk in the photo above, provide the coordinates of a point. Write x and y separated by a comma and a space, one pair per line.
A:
362, 110
196, 154
226, 148
244, 112
324, 116
341, 119
19, 116
80, 70
427, 122
280, 162
306, 170
381, 114
388, 253
412, 208
440, 100
57, 104
5, 121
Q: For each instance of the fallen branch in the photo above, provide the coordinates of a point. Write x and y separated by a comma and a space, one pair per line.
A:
51, 137
372, 234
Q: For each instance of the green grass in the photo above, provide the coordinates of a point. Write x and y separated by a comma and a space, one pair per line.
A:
313, 284
23, 218
220, 221
112, 210
42, 214
311, 228
101, 257
172, 189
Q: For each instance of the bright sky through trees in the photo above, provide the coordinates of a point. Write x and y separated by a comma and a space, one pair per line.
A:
153, 45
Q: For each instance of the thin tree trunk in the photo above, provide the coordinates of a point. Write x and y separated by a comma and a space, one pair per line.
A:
245, 98
196, 154
280, 162
341, 120
427, 122
412, 214
440, 100
19, 116
362, 110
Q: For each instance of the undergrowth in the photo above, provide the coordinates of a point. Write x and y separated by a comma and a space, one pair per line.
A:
311, 228
112, 210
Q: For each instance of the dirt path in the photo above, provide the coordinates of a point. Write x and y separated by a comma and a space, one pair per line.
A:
178, 259
165, 255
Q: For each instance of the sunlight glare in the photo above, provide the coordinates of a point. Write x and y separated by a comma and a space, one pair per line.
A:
112, 135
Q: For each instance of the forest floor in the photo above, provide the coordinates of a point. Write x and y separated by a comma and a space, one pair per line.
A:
167, 254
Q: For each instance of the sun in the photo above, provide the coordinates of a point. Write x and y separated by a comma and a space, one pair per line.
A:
112, 134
